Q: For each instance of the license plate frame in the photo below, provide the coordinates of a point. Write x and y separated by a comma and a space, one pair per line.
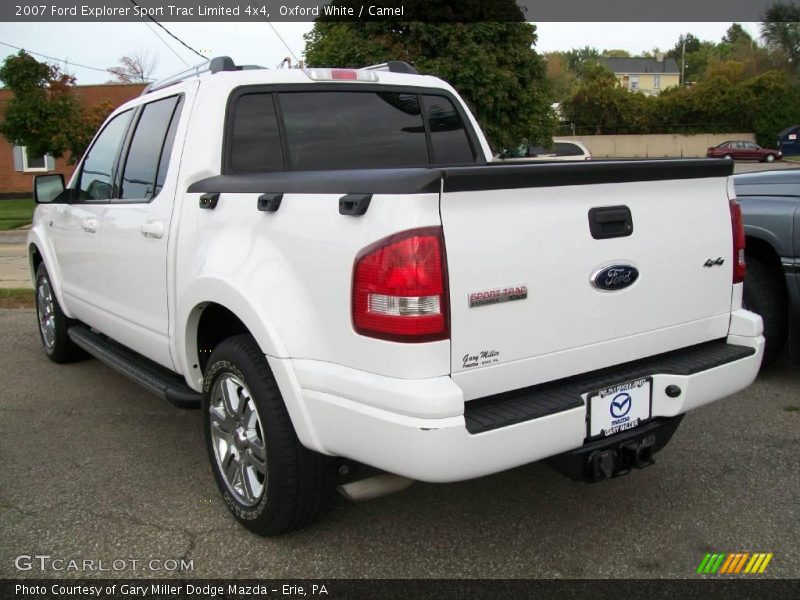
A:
633, 407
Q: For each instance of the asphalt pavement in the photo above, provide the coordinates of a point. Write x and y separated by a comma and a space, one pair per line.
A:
94, 468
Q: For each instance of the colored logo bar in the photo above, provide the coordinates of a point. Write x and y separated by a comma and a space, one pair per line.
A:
734, 563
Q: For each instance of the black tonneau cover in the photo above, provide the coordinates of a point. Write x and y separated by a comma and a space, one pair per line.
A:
464, 178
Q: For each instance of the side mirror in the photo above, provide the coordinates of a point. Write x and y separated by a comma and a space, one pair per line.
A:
47, 188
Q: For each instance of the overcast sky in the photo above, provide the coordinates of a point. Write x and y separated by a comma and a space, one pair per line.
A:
100, 45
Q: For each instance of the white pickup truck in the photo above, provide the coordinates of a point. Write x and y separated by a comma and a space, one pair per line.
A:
326, 262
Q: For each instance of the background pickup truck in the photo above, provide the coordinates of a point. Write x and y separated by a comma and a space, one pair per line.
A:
771, 209
325, 260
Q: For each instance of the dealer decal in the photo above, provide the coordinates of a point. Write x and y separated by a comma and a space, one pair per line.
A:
480, 359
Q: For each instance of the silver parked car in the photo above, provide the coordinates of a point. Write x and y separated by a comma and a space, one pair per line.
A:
560, 150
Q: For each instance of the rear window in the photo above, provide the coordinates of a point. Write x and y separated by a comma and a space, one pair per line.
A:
344, 130
347, 130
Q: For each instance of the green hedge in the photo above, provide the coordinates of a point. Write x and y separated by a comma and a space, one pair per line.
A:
764, 105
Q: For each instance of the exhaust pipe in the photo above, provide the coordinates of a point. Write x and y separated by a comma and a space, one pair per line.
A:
374, 487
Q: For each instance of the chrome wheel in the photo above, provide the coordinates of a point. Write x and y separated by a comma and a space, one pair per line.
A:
46, 311
770, 158
237, 438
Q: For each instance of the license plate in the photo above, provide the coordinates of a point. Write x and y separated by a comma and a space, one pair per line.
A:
619, 407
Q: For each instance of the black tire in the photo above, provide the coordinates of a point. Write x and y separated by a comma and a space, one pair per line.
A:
294, 482
765, 294
58, 347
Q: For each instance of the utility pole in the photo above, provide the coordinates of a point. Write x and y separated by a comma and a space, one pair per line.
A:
683, 62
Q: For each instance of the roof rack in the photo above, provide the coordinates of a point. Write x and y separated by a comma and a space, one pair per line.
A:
215, 65
393, 66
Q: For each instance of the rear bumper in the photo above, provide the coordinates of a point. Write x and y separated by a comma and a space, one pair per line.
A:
391, 435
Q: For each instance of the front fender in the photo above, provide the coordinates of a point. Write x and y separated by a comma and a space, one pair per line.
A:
37, 236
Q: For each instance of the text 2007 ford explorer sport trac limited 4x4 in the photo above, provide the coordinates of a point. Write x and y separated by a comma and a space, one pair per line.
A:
327, 262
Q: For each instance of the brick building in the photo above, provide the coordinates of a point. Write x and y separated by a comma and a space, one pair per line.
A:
17, 168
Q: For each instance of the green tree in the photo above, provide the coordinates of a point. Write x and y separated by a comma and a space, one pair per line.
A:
616, 53
601, 105
579, 59
561, 81
776, 104
780, 29
692, 45
736, 34
492, 64
43, 113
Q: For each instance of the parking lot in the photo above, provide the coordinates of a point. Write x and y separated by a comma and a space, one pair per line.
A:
92, 467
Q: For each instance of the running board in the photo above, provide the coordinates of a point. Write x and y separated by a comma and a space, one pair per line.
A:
155, 378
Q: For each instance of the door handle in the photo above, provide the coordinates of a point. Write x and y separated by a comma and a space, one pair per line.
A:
152, 229
610, 222
89, 225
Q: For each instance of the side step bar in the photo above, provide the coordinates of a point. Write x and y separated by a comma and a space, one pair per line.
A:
157, 379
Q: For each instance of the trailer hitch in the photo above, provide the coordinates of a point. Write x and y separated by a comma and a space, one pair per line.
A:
615, 462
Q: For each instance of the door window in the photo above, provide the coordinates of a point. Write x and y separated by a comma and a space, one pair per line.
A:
96, 180
148, 156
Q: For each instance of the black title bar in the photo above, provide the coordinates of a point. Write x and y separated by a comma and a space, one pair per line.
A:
107, 11
705, 588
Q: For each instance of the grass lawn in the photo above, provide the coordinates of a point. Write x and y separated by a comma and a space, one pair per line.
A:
16, 298
15, 213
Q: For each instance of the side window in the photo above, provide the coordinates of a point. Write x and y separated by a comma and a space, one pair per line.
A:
565, 149
449, 140
539, 151
148, 156
255, 143
96, 181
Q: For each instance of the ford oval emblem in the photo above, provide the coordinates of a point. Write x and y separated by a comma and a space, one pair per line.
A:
615, 277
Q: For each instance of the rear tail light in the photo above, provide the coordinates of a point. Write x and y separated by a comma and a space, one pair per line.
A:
738, 242
400, 288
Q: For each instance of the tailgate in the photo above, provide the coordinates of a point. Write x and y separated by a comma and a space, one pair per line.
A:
531, 248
